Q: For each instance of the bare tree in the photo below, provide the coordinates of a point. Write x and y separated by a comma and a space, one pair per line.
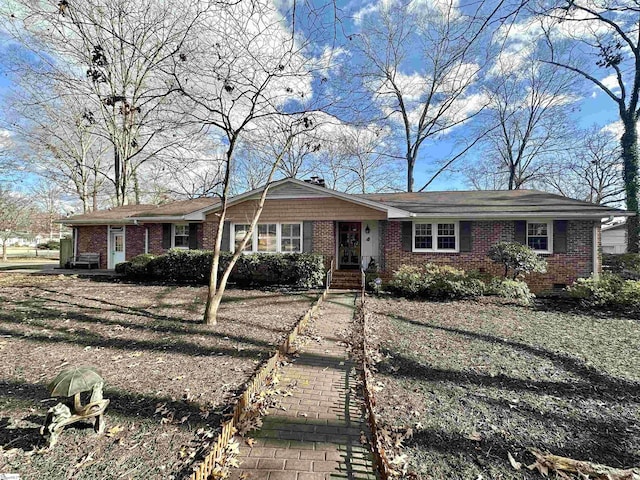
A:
57, 140
15, 211
607, 30
111, 52
591, 171
442, 40
525, 123
244, 73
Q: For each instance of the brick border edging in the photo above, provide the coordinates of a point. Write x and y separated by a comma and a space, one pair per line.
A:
216, 454
381, 460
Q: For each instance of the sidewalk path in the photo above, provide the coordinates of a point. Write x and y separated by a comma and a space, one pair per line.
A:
316, 431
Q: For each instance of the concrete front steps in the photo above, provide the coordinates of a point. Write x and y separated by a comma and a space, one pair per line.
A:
346, 280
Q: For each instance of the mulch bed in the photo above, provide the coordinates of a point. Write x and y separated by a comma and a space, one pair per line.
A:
170, 378
477, 380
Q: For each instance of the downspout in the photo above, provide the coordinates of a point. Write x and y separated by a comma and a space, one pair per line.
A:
146, 239
596, 257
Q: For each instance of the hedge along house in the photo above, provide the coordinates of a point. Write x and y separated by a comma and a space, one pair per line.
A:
358, 231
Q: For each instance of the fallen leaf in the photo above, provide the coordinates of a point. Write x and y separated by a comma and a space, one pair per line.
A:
512, 461
250, 441
114, 430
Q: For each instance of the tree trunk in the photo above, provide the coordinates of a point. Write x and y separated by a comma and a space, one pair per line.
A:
629, 144
4, 250
410, 164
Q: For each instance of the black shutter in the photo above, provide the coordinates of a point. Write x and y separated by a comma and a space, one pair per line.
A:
466, 242
559, 236
407, 236
166, 236
307, 236
226, 237
193, 236
520, 231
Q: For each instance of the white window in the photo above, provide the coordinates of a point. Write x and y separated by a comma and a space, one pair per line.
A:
435, 236
267, 237
181, 236
539, 236
270, 238
291, 238
240, 231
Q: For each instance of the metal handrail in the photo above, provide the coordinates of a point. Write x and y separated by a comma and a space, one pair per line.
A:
329, 276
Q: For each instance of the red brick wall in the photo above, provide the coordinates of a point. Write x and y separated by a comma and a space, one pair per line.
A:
155, 238
562, 268
93, 239
134, 241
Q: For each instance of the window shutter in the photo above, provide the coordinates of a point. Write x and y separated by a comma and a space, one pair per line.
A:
225, 246
166, 236
193, 236
559, 236
307, 236
407, 234
466, 242
520, 229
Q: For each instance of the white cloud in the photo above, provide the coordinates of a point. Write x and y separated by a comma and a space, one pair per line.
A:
614, 129
5, 138
611, 82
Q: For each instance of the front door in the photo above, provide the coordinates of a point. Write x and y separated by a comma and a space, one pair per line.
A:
349, 245
116, 254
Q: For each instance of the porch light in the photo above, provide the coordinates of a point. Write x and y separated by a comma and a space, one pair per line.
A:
367, 230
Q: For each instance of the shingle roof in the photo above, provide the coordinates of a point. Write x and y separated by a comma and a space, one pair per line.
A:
115, 214
181, 207
489, 203
130, 213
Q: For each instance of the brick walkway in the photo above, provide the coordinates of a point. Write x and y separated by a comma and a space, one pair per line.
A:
315, 432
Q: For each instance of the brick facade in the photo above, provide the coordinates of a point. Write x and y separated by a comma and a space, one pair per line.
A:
134, 241
562, 268
93, 239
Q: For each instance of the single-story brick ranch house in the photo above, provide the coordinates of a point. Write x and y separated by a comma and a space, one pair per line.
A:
390, 229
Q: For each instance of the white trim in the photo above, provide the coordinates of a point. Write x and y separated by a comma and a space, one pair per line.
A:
549, 223
254, 237
434, 235
595, 259
110, 265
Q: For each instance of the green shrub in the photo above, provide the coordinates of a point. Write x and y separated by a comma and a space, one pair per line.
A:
137, 267
626, 264
609, 291
298, 270
49, 245
435, 282
512, 289
520, 259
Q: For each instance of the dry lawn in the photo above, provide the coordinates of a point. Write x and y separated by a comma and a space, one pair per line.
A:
479, 380
170, 379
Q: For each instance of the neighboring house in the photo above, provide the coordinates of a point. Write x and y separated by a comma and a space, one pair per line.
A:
614, 238
455, 228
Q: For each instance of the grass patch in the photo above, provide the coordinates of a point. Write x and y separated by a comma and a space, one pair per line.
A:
477, 380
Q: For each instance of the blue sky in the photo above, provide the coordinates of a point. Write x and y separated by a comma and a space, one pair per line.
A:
593, 108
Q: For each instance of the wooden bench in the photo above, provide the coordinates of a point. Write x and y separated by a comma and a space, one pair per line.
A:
87, 259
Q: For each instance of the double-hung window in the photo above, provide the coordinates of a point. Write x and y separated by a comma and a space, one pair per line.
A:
435, 236
181, 236
290, 238
539, 236
239, 232
267, 237
270, 237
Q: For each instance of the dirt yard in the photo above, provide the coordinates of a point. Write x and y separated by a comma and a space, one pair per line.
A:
479, 380
169, 378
